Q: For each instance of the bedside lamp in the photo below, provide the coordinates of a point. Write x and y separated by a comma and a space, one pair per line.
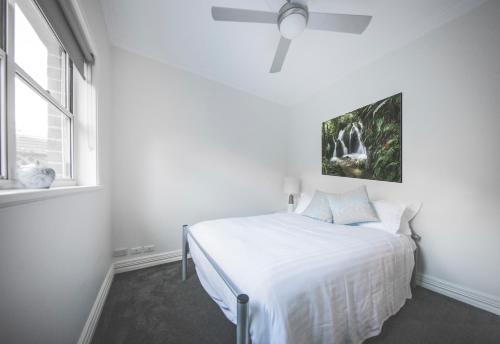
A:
291, 187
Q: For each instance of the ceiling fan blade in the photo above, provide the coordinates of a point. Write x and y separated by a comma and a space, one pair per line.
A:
280, 55
348, 23
245, 16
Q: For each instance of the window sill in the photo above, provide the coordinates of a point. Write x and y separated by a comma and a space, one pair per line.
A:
9, 198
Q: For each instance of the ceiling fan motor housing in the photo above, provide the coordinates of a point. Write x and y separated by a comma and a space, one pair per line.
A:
292, 20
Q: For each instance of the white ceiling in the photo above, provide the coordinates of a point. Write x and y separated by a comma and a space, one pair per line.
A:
182, 33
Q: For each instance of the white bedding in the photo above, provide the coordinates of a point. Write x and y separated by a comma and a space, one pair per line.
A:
308, 281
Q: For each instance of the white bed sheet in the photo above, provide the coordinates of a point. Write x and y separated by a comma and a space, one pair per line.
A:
308, 281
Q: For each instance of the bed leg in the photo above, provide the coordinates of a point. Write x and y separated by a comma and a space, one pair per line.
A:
242, 335
185, 250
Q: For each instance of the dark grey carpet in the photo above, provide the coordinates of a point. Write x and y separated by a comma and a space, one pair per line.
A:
152, 306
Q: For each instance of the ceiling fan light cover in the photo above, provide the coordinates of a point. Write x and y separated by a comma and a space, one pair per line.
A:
293, 24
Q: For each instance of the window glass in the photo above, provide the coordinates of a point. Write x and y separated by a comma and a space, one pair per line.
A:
2, 24
43, 133
37, 50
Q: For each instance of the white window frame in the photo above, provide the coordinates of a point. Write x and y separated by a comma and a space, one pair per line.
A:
3, 118
8, 72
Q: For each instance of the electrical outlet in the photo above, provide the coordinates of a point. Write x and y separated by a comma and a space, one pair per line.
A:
136, 250
120, 252
149, 248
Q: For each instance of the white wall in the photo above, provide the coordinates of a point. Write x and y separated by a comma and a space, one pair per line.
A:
450, 81
54, 254
188, 149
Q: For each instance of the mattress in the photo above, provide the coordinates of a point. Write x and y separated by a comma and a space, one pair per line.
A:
308, 281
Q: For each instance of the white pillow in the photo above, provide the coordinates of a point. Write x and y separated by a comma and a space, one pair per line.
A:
303, 202
352, 207
394, 217
410, 213
318, 208
389, 214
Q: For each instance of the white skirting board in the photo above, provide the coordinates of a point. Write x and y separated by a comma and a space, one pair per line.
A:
489, 303
147, 261
95, 312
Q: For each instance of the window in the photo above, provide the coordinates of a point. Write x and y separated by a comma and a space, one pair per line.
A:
3, 108
43, 80
37, 77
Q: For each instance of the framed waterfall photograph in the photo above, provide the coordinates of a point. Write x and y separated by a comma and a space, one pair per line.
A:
365, 143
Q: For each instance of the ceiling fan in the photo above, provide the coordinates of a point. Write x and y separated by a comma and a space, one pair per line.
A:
292, 19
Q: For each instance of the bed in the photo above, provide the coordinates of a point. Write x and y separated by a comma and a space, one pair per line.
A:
298, 280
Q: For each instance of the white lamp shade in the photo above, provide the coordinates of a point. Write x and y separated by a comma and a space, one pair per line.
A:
291, 186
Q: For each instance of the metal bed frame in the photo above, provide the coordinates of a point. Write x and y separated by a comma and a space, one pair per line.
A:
242, 314
242, 318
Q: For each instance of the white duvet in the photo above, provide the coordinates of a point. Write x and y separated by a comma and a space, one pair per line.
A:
308, 281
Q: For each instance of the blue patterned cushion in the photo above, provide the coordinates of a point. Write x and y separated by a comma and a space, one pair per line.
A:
352, 207
319, 208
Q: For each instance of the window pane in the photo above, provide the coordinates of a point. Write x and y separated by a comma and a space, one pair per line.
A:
2, 24
43, 133
37, 50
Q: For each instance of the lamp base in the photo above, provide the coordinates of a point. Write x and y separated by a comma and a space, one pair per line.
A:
290, 203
